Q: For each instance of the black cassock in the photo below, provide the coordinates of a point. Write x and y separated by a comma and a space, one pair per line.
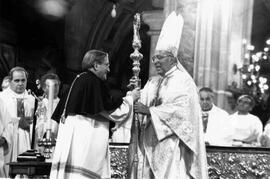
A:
89, 96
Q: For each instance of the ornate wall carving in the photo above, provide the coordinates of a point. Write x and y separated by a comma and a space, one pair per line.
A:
223, 162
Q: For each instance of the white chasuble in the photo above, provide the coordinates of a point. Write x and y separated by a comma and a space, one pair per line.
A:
171, 138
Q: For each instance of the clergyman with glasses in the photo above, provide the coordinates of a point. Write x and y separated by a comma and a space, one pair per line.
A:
83, 137
245, 128
171, 141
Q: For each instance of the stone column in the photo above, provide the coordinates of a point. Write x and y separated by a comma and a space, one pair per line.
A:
221, 26
155, 21
188, 9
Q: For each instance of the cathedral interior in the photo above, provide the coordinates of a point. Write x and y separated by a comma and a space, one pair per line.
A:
44, 40
224, 45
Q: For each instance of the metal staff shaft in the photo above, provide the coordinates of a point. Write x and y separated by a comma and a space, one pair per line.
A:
136, 56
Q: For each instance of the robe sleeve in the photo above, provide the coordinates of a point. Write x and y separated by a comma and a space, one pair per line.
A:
122, 113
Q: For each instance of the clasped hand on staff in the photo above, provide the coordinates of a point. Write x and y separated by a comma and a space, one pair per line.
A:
138, 106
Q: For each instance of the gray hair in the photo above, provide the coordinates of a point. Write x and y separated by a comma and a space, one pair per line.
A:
17, 68
91, 57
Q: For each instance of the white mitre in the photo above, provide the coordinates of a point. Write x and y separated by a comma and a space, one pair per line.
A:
170, 35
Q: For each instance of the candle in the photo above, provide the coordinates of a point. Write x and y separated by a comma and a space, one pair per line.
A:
50, 103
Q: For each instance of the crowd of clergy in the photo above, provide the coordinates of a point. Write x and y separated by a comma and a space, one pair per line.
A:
19, 107
240, 129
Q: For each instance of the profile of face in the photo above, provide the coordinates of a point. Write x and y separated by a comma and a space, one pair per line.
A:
47, 87
102, 69
206, 100
163, 62
244, 105
5, 84
18, 82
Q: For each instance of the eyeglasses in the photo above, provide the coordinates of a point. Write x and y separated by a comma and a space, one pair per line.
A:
160, 57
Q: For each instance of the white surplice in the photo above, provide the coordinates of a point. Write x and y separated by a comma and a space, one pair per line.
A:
121, 135
217, 127
122, 129
82, 148
21, 139
245, 129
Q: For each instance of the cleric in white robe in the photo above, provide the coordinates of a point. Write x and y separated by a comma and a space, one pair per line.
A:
19, 120
245, 128
216, 131
215, 119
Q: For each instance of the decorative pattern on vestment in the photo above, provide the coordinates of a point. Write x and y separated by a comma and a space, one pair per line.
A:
183, 128
164, 154
175, 117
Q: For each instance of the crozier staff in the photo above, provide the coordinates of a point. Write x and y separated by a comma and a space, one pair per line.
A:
171, 135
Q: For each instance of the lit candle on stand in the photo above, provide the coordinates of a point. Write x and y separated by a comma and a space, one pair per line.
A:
50, 108
48, 143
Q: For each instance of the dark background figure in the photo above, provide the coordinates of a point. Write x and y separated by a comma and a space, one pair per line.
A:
262, 108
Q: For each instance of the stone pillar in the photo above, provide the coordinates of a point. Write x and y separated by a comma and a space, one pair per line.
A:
221, 26
78, 23
155, 21
170, 6
188, 9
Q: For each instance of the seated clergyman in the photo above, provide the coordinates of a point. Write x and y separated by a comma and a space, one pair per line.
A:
214, 118
245, 128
